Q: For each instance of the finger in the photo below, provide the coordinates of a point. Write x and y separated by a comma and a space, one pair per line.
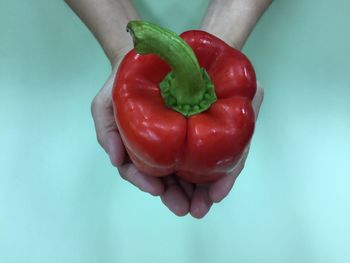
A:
257, 100
149, 184
116, 150
201, 202
187, 187
106, 128
219, 189
174, 197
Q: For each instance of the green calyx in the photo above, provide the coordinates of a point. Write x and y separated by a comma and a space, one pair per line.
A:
167, 87
187, 88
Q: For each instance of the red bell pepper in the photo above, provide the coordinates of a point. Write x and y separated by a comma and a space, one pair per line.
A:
183, 104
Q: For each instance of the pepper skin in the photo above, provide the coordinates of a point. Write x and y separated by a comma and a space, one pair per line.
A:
199, 148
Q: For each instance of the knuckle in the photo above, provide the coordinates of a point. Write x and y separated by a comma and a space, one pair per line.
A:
94, 104
99, 139
101, 101
121, 173
97, 103
129, 173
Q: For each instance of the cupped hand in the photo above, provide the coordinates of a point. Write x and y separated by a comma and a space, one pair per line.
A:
179, 196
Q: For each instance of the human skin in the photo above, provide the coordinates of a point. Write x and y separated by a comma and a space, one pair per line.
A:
232, 21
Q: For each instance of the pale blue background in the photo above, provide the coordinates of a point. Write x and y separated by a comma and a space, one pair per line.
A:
62, 201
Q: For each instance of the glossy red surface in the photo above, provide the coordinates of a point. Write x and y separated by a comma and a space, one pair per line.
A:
198, 149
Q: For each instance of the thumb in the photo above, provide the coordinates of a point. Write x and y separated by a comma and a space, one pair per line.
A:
105, 125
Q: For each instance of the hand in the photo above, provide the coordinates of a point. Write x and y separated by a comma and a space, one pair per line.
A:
179, 196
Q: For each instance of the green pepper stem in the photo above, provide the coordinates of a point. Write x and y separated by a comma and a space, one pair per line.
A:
188, 88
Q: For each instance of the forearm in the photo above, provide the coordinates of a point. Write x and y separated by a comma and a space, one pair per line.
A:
107, 20
233, 20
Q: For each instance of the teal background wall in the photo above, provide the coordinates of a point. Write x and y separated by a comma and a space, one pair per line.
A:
62, 201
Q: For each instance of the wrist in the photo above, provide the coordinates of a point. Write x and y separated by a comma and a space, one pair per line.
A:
232, 21
107, 20
118, 54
